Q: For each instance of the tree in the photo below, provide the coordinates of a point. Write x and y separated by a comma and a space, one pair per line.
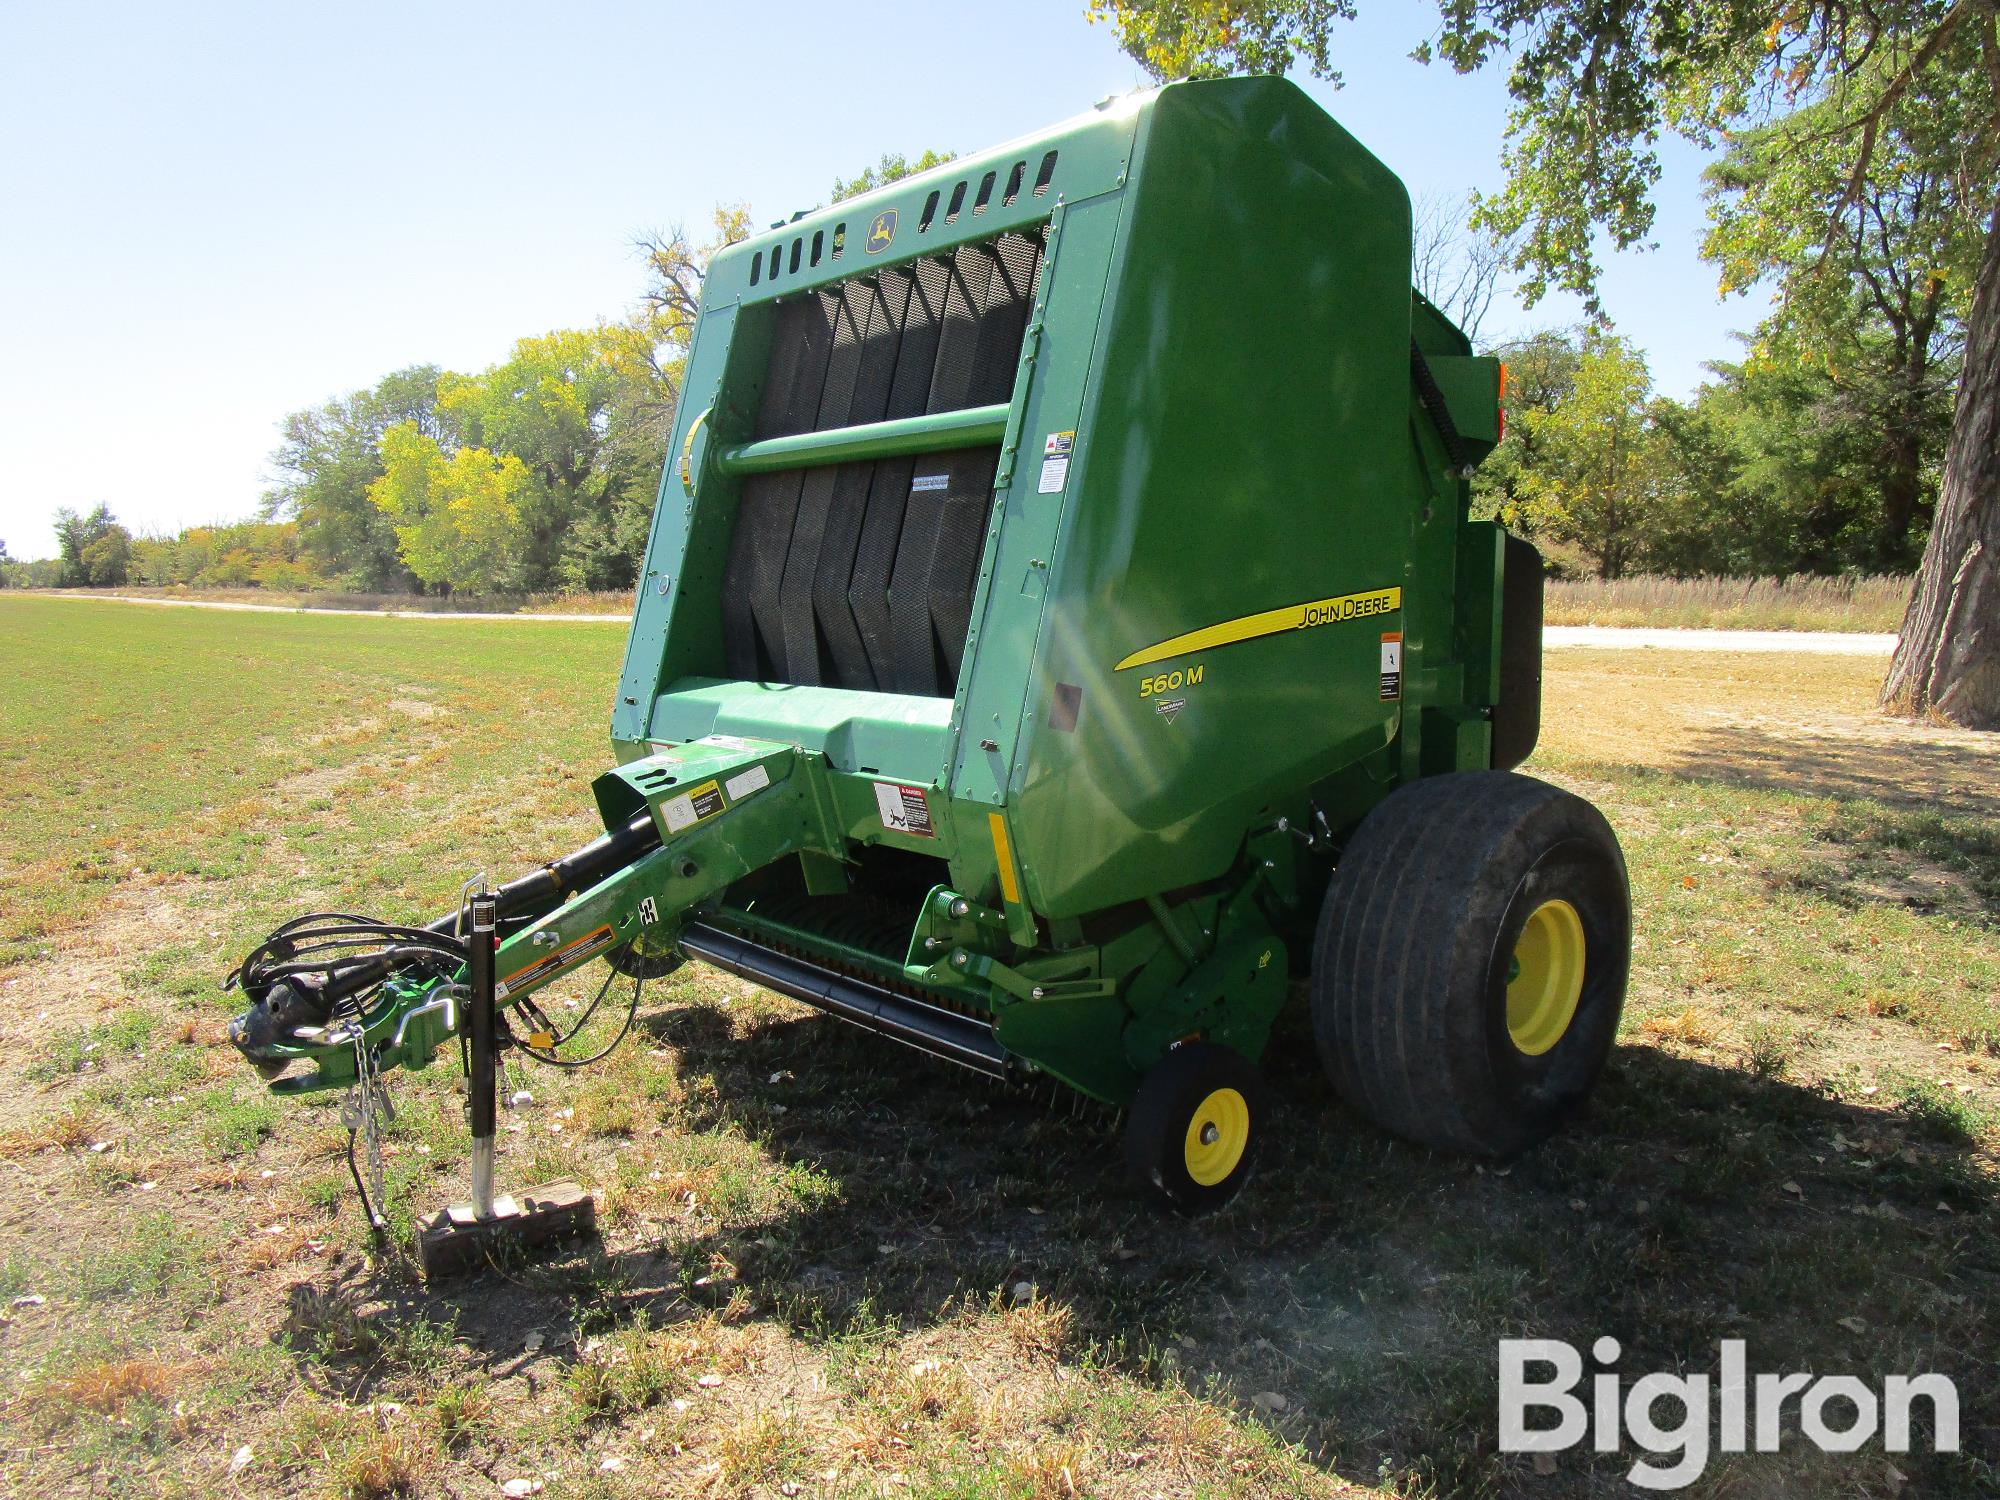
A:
331, 455
577, 408
1597, 82
1455, 265
676, 267
1541, 369
106, 559
1763, 472
893, 167
95, 549
1201, 38
458, 517
1877, 306
1597, 458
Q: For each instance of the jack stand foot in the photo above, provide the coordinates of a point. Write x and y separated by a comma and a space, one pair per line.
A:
456, 1241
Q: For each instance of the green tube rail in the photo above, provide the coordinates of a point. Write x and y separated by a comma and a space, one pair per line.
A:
929, 433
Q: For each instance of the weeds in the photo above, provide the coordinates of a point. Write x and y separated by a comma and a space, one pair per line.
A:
767, 1448
230, 1124
640, 1366
1866, 604
1768, 1049
462, 1410
154, 1257
383, 1465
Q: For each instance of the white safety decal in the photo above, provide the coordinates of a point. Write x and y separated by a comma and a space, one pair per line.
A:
744, 783
903, 809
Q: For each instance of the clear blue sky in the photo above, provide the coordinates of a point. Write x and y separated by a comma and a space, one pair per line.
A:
215, 214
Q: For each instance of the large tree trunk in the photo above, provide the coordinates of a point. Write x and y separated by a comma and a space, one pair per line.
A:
1948, 660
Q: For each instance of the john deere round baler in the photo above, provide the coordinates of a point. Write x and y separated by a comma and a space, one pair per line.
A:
1062, 622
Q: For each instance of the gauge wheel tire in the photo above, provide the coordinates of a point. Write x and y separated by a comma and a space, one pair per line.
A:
1191, 1138
628, 960
1471, 961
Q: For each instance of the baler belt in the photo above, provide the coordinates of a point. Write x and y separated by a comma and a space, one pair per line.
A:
862, 574
941, 488
803, 651
889, 487
844, 657
752, 612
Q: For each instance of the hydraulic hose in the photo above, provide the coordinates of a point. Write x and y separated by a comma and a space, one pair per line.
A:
313, 965
541, 890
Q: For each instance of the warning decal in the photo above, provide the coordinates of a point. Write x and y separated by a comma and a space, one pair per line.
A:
903, 809
548, 966
1392, 665
744, 783
925, 483
688, 809
1056, 449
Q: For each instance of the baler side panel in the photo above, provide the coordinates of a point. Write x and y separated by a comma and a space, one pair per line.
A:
998, 696
678, 599
1187, 518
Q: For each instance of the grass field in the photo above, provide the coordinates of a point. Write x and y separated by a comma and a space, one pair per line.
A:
831, 1267
1869, 604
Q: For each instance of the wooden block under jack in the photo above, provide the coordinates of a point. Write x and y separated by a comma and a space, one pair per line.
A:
455, 1242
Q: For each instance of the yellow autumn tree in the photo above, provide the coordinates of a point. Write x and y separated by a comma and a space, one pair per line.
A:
458, 517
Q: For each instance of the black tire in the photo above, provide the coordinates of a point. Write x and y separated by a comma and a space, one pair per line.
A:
1411, 967
1179, 1101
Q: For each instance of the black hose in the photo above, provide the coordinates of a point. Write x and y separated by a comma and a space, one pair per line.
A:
548, 1055
542, 890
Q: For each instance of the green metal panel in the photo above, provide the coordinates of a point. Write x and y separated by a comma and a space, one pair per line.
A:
1471, 389
1242, 448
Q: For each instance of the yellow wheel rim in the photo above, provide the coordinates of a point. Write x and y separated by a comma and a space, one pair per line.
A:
1545, 980
1217, 1137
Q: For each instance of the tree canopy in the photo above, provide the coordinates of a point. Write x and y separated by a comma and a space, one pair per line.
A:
1841, 119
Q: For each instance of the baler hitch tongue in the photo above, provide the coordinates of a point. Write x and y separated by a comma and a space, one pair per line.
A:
686, 823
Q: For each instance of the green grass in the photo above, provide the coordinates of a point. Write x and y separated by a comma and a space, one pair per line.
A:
152, 1256
1800, 1126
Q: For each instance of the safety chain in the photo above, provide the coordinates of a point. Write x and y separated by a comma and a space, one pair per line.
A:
366, 1109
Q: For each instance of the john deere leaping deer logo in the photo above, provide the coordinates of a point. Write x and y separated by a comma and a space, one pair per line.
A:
882, 231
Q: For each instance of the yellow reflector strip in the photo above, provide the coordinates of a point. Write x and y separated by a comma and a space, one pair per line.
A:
1003, 852
1272, 622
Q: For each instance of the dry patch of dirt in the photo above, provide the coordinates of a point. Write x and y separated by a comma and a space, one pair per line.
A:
1807, 720
80, 982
